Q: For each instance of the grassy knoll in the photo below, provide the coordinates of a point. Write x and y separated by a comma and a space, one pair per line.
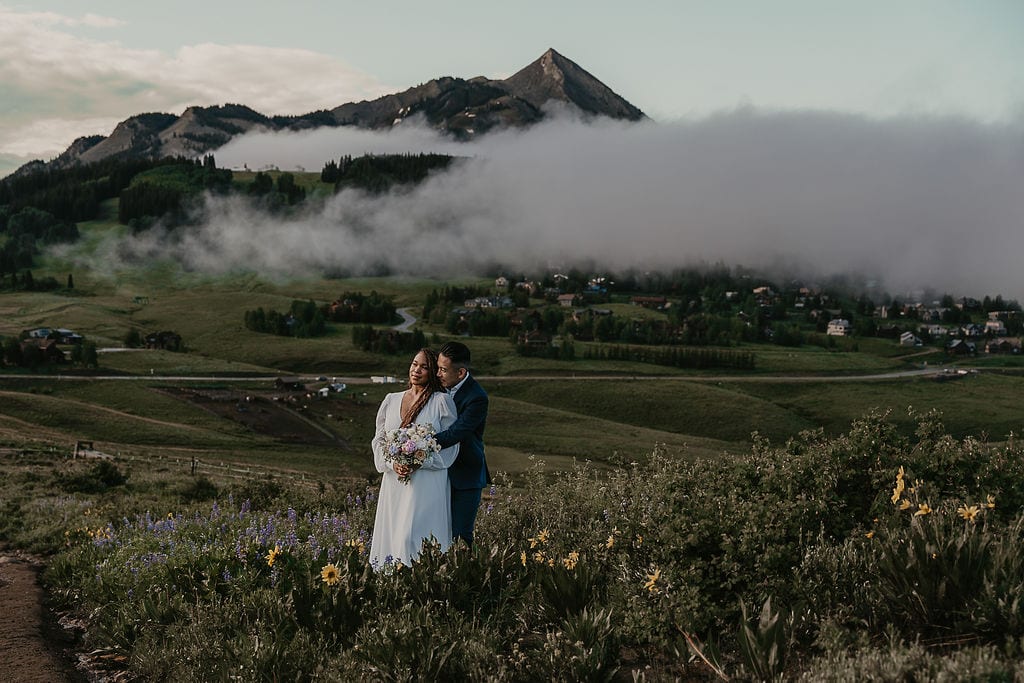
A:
980, 404
679, 408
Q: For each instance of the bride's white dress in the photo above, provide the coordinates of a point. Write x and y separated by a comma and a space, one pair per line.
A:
409, 513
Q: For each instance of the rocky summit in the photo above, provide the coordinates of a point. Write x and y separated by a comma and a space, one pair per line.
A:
461, 108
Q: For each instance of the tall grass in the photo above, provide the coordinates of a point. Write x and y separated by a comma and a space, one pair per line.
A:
859, 550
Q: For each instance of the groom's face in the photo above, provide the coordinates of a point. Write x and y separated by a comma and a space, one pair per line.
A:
449, 374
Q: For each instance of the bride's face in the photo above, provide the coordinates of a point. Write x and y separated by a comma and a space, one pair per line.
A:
419, 370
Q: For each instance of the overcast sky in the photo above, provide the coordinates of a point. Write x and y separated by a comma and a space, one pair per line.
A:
69, 68
877, 137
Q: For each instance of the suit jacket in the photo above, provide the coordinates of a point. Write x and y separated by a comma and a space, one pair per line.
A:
469, 471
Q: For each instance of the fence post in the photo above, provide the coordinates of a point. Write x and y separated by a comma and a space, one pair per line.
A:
193, 465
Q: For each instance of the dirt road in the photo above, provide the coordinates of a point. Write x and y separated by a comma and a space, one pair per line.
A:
29, 645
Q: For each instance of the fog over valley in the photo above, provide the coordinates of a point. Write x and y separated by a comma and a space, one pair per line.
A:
910, 202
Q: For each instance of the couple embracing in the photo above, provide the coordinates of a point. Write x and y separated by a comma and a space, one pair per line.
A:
439, 497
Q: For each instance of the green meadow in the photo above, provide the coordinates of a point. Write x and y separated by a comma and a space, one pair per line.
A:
846, 514
602, 411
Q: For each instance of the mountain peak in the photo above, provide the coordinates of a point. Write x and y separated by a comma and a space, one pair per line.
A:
460, 108
554, 76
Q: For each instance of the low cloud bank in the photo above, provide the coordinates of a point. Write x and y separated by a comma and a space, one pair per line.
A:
911, 203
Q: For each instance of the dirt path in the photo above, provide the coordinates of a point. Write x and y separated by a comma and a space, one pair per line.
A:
27, 654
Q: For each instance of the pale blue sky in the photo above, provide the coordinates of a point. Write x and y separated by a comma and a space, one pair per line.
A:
69, 68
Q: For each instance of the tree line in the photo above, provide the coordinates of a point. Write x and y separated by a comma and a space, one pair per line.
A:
165, 194
391, 342
378, 173
303, 319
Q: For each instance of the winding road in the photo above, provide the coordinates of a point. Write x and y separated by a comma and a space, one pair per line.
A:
407, 320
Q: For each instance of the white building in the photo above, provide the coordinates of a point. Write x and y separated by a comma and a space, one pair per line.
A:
840, 327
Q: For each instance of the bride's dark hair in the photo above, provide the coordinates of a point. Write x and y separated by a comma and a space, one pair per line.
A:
433, 384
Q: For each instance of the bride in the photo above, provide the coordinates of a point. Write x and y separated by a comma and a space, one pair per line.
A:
407, 514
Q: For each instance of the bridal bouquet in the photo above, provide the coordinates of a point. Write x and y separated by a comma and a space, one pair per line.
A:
410, 446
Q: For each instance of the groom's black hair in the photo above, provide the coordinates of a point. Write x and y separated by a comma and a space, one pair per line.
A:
456, 352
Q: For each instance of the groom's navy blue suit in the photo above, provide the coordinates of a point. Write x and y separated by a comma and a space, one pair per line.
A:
468, 474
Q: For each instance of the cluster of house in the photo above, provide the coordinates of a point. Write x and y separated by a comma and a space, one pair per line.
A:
47, 340
962, 339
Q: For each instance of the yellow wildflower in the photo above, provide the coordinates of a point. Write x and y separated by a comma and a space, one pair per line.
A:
272, 555
538, 557
551, 562
897, 492
522, 557
922, 509
571, 561
652, 580
969, 513
543, 536
639, 540
870, 534
330, 574
899, 475
991, 502
610, 542
904, 504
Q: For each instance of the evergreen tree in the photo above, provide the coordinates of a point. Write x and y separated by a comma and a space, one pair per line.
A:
90, 357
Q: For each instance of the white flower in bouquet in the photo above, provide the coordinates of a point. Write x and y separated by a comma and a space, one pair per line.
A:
410, 446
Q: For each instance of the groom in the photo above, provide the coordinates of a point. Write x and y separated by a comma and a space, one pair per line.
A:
468, 474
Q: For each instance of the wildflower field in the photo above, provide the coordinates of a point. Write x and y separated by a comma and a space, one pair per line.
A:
871, 555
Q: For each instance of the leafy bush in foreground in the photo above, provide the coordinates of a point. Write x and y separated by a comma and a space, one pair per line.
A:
866, 554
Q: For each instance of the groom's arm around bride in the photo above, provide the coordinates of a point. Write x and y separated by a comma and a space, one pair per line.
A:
468, 474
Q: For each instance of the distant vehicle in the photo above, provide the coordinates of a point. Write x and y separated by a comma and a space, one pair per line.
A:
338, 387
321, 378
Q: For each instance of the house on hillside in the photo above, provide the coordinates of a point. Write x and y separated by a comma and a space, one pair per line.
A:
961, 347
1003, 345
65, 336
533, 339
166, 340
567, 300
839, 327
48, 349
935, 330
655, 302
909, 339
995, 326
